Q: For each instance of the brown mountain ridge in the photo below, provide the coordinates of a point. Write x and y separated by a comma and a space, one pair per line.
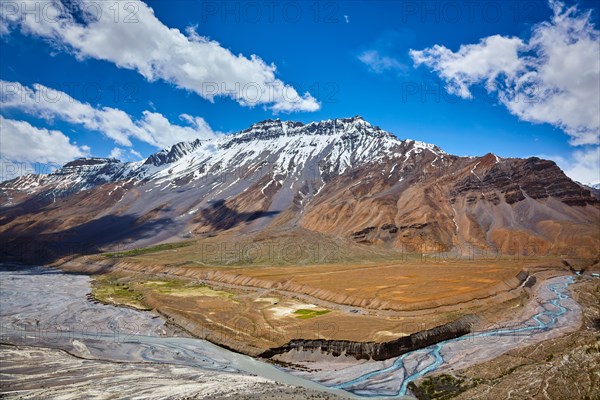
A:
343, 178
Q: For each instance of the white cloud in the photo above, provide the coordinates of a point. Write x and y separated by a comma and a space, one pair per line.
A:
135, 39
152, 128
158, 127
582, 165
117, 153
136, 153
347, 19
24, 143
11, 169
380, 63
3, 27
553, 78
124, 155
485, 61
585, 167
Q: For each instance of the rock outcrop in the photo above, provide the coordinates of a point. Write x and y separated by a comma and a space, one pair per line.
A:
381, 351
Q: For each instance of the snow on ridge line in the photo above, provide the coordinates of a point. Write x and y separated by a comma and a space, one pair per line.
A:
287, 147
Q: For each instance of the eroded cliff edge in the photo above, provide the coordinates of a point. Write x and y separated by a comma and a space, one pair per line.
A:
381, 351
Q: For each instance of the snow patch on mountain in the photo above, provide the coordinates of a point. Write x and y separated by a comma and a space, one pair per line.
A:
287, 151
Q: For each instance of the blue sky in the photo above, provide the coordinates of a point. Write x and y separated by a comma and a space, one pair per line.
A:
399, 64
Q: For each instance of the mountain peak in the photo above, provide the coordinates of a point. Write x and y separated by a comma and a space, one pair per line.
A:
272, 124
88, 161
267, 121
279, 127
356, 121
173, 153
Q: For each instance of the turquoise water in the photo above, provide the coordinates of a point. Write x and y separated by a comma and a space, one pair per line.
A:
57, 301
430, 358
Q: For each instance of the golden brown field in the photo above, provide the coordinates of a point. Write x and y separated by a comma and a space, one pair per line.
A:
400, 283
251, 307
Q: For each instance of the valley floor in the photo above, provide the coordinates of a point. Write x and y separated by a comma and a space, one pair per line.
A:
516, 359
256, 307
55, 343
566, 367
44, 373
259, 307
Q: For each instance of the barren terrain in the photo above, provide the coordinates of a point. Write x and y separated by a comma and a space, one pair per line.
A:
58, 343
42, 373
564, 367
255, 307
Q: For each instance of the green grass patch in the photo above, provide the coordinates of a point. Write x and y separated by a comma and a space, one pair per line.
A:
182, 288
168, 284
147, 250
304, 313
440, 387
112, 291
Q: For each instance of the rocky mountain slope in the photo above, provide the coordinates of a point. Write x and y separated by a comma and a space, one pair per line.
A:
342, 177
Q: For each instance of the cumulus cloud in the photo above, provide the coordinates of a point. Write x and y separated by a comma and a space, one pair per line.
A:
135, 39
26, 148
124, 154
152, 128
551, 78
380, 63
582, 165
117, 153
492, 58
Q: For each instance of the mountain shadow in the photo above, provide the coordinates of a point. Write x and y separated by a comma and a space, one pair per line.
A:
41, 247
220, 217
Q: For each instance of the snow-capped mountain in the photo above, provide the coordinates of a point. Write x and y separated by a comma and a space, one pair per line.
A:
341, 177
290, 151
81, 174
